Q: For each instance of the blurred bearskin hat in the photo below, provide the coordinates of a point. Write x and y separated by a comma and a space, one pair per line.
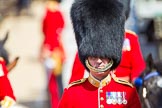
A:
99, 29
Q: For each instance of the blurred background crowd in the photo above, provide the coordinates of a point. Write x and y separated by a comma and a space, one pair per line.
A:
24, 19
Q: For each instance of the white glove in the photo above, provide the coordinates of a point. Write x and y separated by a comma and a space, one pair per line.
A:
7, 102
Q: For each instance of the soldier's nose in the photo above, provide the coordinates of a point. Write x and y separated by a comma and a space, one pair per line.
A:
99, 60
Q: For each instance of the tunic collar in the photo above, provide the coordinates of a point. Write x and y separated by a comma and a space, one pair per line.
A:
98, 83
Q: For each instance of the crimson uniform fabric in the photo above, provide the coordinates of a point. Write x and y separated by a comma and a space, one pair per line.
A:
78, 70
132, 62
85, 95
5, 86
53, 24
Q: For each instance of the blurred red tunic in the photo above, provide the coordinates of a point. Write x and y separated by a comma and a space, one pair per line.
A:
53, 24
131, 65
132, 62
5, 86
77, 69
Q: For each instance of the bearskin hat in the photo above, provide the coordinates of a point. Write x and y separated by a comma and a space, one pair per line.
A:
99, 29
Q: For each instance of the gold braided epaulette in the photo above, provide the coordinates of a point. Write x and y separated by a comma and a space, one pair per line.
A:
125, 82
131, 32
121, 81
76, 82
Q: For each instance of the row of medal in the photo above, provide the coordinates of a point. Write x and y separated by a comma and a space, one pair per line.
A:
116, 98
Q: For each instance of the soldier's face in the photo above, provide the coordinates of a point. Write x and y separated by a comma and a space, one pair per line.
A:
99, 63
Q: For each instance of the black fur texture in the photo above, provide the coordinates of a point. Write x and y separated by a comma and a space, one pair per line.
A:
99, 28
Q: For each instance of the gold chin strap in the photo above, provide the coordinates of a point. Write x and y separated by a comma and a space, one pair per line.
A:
108, 66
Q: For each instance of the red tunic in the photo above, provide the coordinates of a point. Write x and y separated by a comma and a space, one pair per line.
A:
5, 86
132, 62
84, 94
53, 24
78, 70
131, 65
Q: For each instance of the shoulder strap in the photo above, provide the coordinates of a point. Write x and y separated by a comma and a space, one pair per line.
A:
131, 32
76, 82
121, 81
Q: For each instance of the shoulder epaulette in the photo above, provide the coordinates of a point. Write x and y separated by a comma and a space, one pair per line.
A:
121, 81
76, 82
131, 32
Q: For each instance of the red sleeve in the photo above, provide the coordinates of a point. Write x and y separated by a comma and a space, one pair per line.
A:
61, 21
138, 62
5, 86
77, 70
44, 26
134, 101
44, 22
52, 26
65, 100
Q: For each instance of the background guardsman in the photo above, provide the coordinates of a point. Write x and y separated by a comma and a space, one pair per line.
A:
7, 98
52, 52
132, 62
99, 33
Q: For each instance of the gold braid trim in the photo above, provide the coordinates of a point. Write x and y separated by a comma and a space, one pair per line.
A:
121, 81
76, 82
131, 32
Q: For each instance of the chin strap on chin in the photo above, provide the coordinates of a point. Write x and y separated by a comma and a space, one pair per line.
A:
108, 66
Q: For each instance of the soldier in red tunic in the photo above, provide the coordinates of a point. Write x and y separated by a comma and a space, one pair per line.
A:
78, 70
52, 52
132, 62
99, 33
7, 98
130, 67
